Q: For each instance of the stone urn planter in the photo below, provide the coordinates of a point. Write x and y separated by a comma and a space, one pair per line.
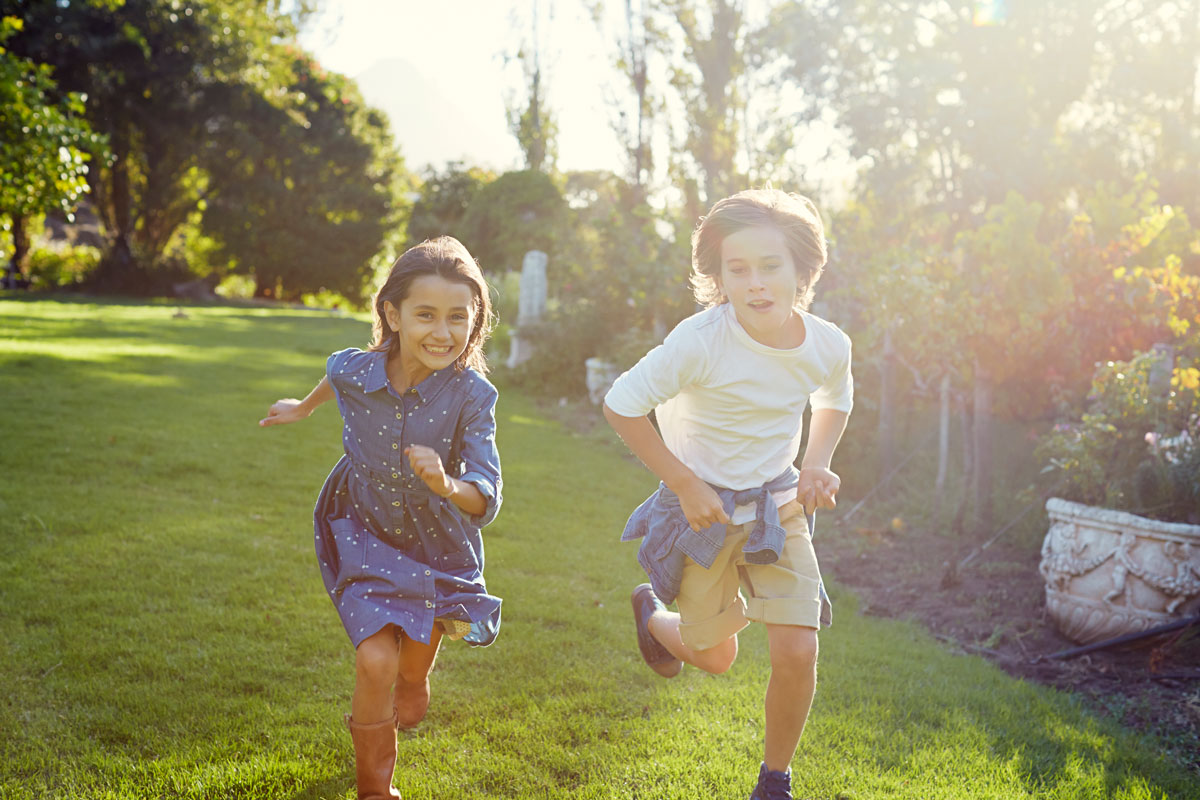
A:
1110, 573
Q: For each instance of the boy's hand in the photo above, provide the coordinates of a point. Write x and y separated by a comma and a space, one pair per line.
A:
817, 488
428, 465
283, 412
701, 505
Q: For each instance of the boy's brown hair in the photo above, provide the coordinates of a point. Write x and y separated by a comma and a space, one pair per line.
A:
793, 215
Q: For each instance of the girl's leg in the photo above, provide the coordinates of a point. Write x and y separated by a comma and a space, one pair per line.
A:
665, 627
375, 663
371, 721
789, 691
411, 698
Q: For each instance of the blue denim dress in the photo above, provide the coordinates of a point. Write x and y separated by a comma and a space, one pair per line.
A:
390, 550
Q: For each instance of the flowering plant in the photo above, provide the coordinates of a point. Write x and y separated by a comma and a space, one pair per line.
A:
1137, 447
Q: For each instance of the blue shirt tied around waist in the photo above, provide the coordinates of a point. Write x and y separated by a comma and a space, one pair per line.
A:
667, 537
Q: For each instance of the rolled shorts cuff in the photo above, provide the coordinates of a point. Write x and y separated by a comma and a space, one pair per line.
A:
712, 631
785, 611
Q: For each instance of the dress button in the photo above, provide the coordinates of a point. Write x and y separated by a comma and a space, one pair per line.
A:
395, 474
398, 531
399, 415
428, 604
427, 572
395, 446
395, 502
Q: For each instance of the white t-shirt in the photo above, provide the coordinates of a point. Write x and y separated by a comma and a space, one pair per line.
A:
732, 408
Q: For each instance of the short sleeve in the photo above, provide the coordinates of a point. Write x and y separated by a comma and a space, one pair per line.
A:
837, 391
480, 458
347, 367
680, 361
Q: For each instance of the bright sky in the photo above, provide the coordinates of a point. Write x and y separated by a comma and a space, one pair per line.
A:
439, 70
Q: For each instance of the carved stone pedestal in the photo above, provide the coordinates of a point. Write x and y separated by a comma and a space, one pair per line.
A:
1110, 573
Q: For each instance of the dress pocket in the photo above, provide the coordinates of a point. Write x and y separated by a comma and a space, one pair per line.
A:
350, 540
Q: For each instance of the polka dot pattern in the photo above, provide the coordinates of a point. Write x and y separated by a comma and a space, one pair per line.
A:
389, 549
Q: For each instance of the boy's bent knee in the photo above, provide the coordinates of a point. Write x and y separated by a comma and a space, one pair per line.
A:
716, 660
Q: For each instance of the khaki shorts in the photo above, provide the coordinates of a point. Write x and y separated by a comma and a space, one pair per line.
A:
711, 609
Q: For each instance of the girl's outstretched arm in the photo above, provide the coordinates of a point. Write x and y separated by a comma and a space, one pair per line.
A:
292, 410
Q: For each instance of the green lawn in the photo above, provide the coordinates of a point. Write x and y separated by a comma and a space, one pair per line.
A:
165, 633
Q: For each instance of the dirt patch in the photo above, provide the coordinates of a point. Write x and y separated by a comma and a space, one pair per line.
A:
996, 608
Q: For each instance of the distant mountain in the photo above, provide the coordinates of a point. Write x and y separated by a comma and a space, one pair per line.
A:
433, 121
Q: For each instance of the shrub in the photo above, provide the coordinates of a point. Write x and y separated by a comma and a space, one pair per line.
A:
1137, 448
59, 264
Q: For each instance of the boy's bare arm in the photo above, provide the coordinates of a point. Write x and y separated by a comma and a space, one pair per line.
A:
292, 410
699, 502
818, 483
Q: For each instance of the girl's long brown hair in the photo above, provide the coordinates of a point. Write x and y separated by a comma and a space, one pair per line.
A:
447, 257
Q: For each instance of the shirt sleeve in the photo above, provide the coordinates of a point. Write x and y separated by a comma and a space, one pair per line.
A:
678, 362
837, 392
337, 368
480, 458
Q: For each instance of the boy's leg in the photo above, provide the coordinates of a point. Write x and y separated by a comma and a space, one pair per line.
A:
411, 696
789, 691
665, 627
376, 660
711, 611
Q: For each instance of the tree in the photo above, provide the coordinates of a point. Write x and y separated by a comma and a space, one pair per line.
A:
45, 145
302, 193
443, 200
533, 123
155, 74
1010, 294
518, 212
712, 45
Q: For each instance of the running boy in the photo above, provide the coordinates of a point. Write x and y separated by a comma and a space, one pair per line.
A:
729, 386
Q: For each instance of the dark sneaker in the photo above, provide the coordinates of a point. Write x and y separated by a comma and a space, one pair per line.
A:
645, 602
772, 785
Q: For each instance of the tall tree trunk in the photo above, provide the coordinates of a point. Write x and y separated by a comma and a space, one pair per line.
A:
981, 483
265, 286
21, 247
885, 435
968, 455
117, 271
1191, 106
939, 485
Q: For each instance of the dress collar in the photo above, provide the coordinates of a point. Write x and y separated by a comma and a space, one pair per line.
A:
376, 378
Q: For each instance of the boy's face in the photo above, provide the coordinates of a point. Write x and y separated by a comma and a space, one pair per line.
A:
758, 275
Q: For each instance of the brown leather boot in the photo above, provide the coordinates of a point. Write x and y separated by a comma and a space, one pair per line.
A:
410, 701
374, 758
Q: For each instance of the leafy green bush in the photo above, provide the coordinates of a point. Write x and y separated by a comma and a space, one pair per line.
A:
1137, 448
568, 336
59, 264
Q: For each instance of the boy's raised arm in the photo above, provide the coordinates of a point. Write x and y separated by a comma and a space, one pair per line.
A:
818, 483
699, 502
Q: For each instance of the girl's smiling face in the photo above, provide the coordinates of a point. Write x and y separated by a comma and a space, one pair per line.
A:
759, 277
433, 324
